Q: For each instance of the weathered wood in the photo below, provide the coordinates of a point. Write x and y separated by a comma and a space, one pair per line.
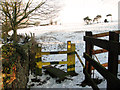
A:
88, 50
55, 72
55, 52
112, 57
104, 34
80, 60
73, 58
38, 69
105, 64
113, 47
70, 57
105, 44
40, 64
101, 35
118, 32
103, 71
99, 51
94, 86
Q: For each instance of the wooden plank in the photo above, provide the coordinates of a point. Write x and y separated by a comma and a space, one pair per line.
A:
118, 61
118, 32
38, 69
55, 52
40, 64
99, 51
112, 58
80, 59
105, 64
101, 35
55, 72
104, 72
105, 44
113, 55
68, 55
104, 34
88, 50
72, 58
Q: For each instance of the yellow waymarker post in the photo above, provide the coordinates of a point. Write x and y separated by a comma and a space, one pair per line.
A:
71, 57
38, 56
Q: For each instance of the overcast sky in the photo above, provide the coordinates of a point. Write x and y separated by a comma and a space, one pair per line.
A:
75, 10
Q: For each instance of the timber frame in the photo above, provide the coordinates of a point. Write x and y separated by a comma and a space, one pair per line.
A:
112, 46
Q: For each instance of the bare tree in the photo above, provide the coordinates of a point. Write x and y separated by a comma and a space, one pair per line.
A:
18, 13
97, 18
48, 11
109, 15
87, 20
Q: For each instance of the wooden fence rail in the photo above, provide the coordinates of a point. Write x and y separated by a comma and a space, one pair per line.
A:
99, 51
115, 82
112, 46
104, 34
105, 44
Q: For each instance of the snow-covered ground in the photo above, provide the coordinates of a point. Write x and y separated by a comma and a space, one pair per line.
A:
54, 38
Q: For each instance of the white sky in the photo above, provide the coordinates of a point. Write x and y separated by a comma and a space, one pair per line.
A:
75, 10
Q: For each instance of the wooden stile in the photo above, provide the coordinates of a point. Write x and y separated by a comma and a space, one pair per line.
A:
70, 58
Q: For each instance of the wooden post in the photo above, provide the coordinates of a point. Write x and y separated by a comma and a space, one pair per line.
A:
88, 50
71, 58
113, 57
38, 58
68, 56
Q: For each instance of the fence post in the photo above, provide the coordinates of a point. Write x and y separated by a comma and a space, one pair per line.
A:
112, 58
73, 58
70, 58
38, 70
88, 50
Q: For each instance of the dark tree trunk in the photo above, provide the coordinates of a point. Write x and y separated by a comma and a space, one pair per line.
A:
15, 34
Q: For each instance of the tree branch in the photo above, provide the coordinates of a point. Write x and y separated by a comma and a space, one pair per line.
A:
26, 14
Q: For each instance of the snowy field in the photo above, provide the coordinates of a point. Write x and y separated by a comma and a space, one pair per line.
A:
54, 38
